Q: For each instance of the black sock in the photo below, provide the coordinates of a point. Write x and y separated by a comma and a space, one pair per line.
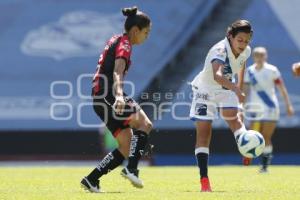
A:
202, 160
266, 160
137, 146
108, 163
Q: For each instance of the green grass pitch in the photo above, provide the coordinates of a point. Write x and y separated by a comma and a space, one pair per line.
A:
228, 182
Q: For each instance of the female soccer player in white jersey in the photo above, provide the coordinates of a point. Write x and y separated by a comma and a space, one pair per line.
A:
262, 108
218, 88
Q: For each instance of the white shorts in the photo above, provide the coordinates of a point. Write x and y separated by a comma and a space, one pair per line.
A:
260, 112
207, 102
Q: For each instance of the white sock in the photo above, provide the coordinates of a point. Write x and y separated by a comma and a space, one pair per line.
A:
239, 131
268, 149
202, 150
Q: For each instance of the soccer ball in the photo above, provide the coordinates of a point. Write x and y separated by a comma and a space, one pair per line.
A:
251, 144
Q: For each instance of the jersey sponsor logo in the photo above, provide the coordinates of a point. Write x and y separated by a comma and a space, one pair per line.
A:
203, 96
133, 145
75, 34
201, 109
105, 161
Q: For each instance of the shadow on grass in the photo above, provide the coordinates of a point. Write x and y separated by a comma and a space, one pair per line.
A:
112, 192
103, 192
197, 191
247, 191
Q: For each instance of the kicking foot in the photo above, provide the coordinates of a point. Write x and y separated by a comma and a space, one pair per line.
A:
247, 161
133, 176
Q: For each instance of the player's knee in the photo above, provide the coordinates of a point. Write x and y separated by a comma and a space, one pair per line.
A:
124, 149
147, 126
235, 124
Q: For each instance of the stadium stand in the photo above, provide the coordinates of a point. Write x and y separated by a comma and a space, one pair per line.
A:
64, 41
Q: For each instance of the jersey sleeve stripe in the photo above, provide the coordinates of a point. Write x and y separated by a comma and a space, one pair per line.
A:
218, 61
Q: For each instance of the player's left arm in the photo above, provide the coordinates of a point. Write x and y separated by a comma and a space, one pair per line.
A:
281, 87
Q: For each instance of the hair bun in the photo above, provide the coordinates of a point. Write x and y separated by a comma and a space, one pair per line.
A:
130, 11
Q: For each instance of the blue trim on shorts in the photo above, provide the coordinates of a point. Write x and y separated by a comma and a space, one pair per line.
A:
264, 120
236, 108
196, 119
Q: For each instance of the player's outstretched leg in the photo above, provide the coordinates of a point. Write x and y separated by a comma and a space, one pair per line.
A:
109, 162
234, 122
255, 125
237, 127
247, 161
139, 140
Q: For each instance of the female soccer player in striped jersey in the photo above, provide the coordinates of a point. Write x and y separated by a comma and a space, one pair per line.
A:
262, 107
120, 113
214, 90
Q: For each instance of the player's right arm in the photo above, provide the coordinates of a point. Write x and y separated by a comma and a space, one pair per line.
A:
246, 85
122, 56
281, 87
246, 91
119, 104
218, 68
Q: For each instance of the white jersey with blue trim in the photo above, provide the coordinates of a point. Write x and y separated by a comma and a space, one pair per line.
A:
262, 85
223, 53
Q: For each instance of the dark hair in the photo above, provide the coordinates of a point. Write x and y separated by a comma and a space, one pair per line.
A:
135, 18
239, 26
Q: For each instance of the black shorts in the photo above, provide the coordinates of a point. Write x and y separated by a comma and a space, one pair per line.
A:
115, 122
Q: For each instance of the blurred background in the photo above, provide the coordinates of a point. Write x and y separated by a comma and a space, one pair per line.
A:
49, 50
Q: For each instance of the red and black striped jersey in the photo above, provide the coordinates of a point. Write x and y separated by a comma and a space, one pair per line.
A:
117, 47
